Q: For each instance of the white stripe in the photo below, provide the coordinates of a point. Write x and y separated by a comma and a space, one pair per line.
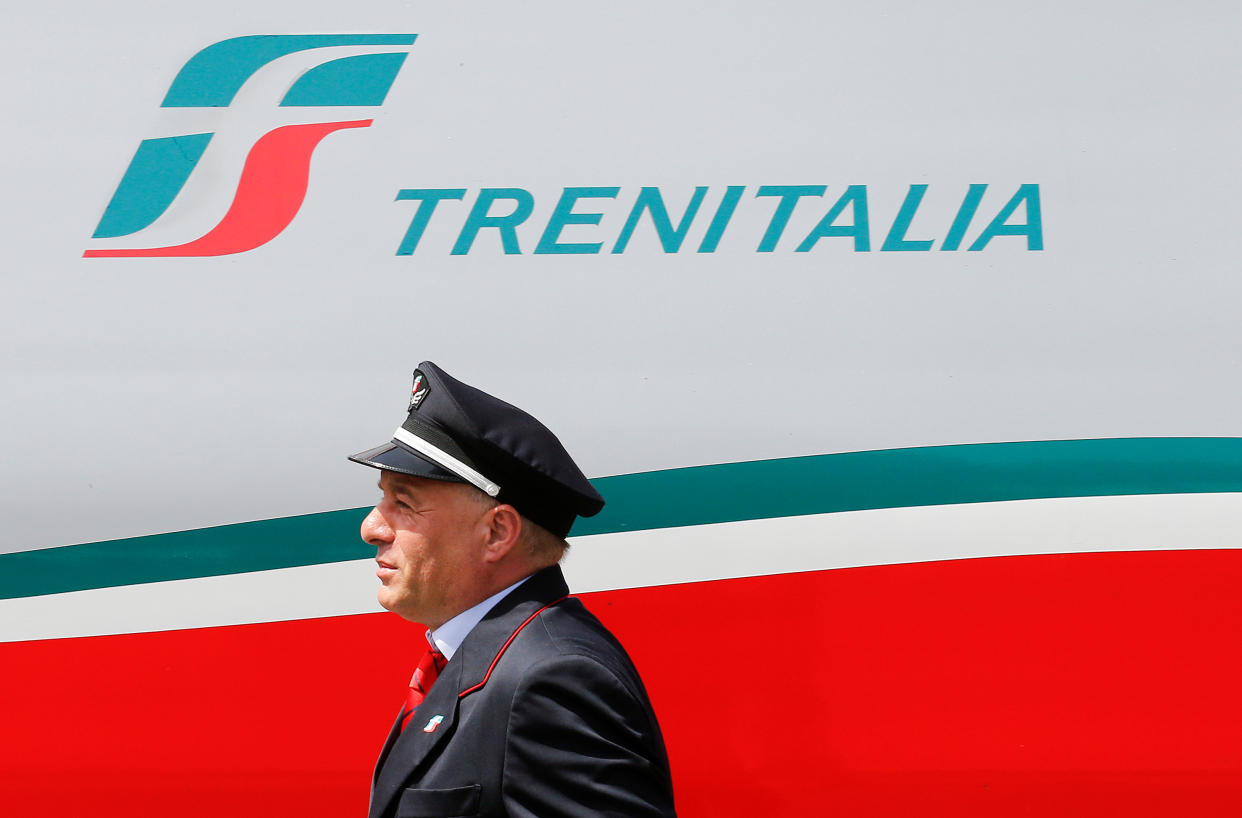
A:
447, 461
669, 556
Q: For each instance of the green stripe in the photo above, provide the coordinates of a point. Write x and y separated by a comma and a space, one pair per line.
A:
889, 478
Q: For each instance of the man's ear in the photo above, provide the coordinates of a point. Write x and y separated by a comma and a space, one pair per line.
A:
504, 529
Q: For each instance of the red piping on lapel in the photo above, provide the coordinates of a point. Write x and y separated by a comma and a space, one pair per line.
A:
505, 647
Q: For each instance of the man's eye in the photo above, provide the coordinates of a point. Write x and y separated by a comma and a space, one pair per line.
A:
394, 502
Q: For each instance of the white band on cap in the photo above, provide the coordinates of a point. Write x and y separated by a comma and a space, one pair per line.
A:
446, 460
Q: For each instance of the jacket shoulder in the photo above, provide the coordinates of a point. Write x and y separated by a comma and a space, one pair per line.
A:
581, 732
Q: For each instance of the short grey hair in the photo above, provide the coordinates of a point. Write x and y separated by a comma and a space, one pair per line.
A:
540, 543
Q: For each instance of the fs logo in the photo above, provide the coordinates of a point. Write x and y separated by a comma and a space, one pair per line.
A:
276, 170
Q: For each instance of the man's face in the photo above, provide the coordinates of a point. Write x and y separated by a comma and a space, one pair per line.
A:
430, 537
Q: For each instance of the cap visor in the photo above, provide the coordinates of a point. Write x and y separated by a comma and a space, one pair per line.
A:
392, 456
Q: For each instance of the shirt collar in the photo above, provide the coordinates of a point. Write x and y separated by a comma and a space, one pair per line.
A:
448, 637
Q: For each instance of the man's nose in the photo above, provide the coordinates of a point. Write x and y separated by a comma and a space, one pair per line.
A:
376, 530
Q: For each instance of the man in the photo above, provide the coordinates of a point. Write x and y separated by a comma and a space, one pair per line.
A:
522, 704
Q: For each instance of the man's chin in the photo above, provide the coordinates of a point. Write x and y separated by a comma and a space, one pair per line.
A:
388, 603
384, 598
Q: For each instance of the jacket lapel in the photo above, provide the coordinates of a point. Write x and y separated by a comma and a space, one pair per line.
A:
484, 644
407, 749
466, 672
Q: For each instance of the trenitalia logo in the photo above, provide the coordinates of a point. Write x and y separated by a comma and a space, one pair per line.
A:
575, 210
276, 170
572, 220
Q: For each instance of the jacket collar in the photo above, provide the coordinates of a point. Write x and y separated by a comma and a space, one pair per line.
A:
466, 672
484, 644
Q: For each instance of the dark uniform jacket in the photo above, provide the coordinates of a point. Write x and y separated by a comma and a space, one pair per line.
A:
539, 714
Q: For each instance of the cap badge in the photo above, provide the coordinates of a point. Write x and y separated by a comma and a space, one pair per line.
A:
418, 392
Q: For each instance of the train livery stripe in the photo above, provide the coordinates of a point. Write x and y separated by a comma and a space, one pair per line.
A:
820, 484
661, 557
1068, 685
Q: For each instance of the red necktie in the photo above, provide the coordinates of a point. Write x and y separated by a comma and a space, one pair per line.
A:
424, 677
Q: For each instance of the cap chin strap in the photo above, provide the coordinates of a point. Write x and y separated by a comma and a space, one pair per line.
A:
443, 458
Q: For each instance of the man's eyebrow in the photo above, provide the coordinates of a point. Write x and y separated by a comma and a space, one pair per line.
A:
399, 488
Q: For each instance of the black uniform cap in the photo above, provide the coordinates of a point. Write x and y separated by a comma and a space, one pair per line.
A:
458, 433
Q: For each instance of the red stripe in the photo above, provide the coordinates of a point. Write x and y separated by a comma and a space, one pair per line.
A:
505, 647
270, 192
1066, 685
